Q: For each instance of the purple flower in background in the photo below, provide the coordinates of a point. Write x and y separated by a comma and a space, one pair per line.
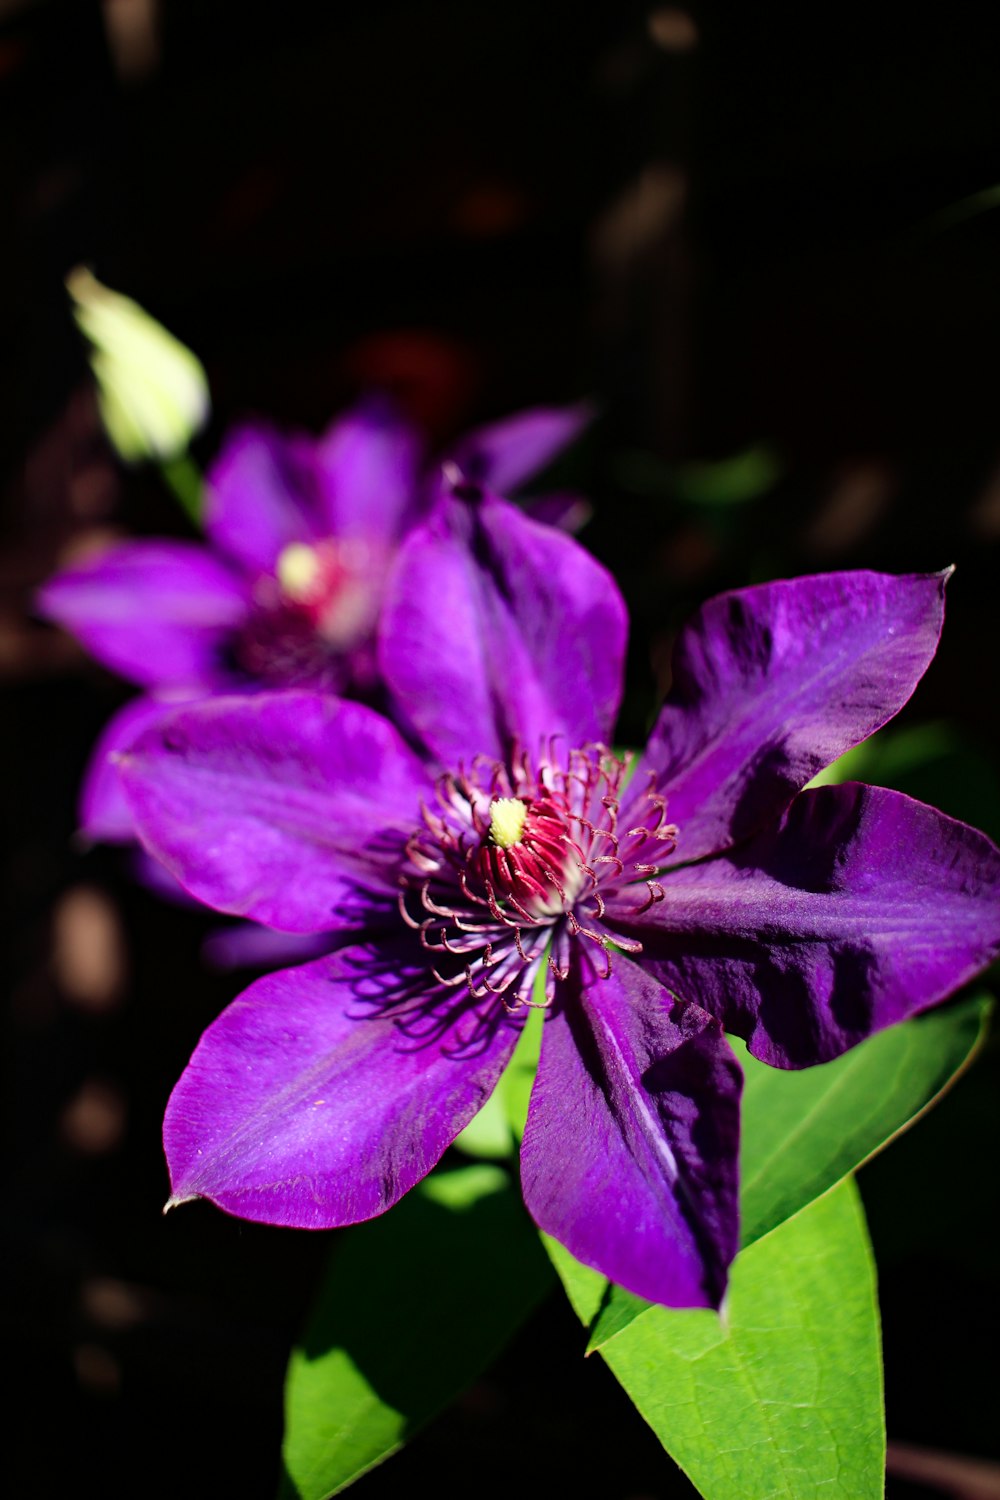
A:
516, 863
301, 536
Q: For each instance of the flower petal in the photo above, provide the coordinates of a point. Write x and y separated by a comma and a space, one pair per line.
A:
324, 1093
496, 629
772, 683
630, 1153
290, 808
859, 909
104, 810
156, 612
260, 495
368, 466
248, 945
506, 453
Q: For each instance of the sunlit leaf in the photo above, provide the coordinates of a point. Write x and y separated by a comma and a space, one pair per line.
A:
414, 1306
519, 1076
781, 1396
585, 1288
489, 1133
803, 1131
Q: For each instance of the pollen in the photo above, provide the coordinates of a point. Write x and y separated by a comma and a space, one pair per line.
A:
298, 572
507, 816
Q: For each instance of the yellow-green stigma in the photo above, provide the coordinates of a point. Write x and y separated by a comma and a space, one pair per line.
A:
299, 572
507, 815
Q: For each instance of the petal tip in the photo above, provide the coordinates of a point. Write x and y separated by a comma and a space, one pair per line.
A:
176, 1199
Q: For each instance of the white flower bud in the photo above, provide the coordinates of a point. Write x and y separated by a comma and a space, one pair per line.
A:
153, 391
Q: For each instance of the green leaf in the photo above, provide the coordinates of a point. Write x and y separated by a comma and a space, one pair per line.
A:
489, 1133
730, 481
781, 1396
586, 1289
618, 1309
723, 482
519, 1076
415, 1304
803, 1131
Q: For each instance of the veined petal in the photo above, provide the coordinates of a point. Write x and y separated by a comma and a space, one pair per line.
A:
496, 629
324, 1093
859, 909
260, 496
772, 683
156, 612
368, 465
291, 808
506, 453
630, 1153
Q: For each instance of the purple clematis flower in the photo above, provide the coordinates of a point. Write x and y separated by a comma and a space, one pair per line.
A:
516, 863
302, 535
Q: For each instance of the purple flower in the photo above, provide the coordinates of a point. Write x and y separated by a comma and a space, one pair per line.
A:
302, 535
516, 863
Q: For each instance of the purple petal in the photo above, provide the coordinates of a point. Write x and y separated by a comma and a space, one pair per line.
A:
260, 495
368, 465
496, 629
324, 1093
859, 909
630, 1154
771, 684
158, 879
248, 945
104, 810
290, 808
503, 455
157, 612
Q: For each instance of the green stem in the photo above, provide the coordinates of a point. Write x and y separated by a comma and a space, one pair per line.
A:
182, 475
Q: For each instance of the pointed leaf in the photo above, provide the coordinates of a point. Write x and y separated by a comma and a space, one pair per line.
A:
803, 1131
781, 1395
381, 1352
586, 1289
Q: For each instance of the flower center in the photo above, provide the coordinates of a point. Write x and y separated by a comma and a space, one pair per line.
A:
331, 585
319, 605
507, 815
514, 863
529, 859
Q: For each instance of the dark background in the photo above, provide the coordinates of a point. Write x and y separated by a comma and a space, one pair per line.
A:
731, 226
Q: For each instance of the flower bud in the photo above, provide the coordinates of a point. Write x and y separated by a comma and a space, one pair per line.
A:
153, 391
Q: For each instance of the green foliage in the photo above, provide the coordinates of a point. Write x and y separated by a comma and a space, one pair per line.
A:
780, 1396
415, 1304
804, 1131
743, 477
